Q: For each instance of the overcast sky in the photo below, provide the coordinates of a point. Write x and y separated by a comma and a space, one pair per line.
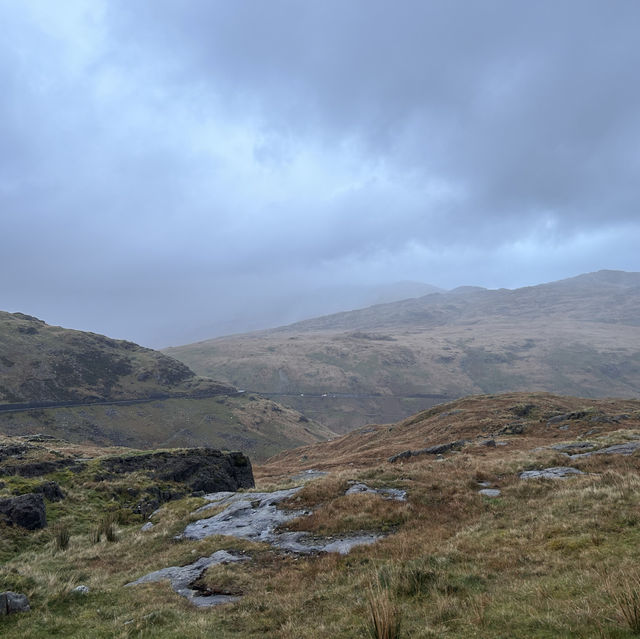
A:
175, 169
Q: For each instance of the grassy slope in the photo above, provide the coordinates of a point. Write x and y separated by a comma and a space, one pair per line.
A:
258, 427
48, 363
41, 363
546, 559
576, 337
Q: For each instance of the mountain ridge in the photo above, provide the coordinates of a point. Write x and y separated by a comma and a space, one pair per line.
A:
578, 336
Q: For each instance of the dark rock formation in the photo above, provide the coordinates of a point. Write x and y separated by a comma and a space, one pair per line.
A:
51, 490
439, 449
27, 511
13, 602
565, 417
203, 469
38, 468
13, 450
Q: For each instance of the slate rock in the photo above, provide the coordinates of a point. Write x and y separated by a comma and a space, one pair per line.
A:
11, 602
406, 454
556, 472
490, 492
438, 449
183, 578
565, 417
573, 446
627, 448
27, 511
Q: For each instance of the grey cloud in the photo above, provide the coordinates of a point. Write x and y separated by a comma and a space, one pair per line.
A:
191, 160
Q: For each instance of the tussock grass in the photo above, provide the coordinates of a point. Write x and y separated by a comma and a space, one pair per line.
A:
454, 564
385, 619
624, 590
62, 536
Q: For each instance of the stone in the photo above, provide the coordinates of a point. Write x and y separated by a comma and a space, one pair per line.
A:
81, 590
182, 579
256, 517
490, 443
148, 526
438, 449
573, 446
405, 454
27, 511
489, 492
556, 472
627, 448
51, 491
11, 602
565, 417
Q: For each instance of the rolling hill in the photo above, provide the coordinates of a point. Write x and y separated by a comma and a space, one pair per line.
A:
89, 388
579, 336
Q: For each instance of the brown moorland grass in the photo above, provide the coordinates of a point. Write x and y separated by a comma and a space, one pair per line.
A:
547, 558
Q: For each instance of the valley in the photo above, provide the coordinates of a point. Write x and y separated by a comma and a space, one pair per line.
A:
138, 498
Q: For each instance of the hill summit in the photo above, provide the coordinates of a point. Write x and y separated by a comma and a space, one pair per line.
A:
42, 363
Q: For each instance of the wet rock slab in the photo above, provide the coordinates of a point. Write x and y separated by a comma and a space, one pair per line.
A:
183, 577
256, 517
556, 472
628, 448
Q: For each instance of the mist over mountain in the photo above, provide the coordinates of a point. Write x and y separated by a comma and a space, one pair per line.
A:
579, 336
276, 307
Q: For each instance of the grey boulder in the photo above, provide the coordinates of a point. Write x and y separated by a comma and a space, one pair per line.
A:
13, 602
27, 511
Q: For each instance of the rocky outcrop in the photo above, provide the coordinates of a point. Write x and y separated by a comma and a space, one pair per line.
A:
38, 468
557, 472
626, 448
200, 469
439, 449
183, 579
13, 602
27, 511
51, 491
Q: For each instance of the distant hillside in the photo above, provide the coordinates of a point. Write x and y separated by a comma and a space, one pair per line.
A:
579, 336
42, 363
119, 393
275, 307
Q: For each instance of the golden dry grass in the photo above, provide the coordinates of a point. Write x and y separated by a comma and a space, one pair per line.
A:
546, 559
